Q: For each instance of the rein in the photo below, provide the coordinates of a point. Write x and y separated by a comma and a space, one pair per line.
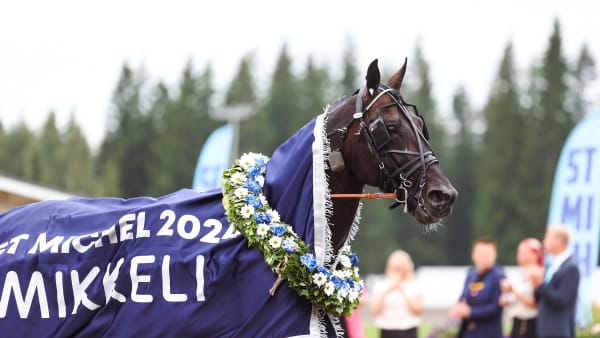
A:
378, 136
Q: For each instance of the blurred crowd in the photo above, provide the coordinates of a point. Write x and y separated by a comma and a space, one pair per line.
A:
540, 300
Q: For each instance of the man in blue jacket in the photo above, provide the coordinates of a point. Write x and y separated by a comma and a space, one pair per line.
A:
478, 306
556, 291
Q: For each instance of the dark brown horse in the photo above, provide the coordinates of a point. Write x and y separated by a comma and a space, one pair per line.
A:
378, 139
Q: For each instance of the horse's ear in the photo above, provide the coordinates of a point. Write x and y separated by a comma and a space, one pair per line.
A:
373, 77
396, 80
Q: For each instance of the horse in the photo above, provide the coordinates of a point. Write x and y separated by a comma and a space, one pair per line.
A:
174, 266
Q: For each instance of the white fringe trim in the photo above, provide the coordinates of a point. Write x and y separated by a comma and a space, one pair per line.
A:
322, 210
355, 224
322, 205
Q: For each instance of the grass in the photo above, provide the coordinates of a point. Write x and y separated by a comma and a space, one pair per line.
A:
373, 332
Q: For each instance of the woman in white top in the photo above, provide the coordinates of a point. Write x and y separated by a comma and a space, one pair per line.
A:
397, 303
518, 295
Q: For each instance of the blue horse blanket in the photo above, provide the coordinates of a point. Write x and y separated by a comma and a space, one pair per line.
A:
162, 267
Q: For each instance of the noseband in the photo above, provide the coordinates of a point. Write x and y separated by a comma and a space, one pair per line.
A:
378, 136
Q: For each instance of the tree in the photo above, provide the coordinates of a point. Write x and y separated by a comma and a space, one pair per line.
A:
420, 94
45, 166
350, 73
314, 91
549, 124
125, 152
78, 162
16, 149
462, 171
497, 213
241, 90
583, 74
281, 114
186, 125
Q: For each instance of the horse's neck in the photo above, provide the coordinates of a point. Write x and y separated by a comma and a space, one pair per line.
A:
344, 209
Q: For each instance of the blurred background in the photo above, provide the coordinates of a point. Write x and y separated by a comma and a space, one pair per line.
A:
118, 98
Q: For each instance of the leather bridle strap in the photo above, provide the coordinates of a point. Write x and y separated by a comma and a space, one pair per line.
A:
423, 160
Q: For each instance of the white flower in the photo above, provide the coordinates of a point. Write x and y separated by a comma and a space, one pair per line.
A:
356, 271
275, 242
263, 201
238, 178
343, 292
339, 274
353, 295
247, 160
263, 229
329, 288
240, 192
275, 218
247, 211
347, 273
319, 278
345, 260
291, 231
261, 180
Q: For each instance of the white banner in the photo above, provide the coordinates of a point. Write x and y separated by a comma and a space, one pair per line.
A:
576, 203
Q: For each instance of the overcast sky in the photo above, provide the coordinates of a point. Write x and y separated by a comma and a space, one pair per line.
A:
66, 55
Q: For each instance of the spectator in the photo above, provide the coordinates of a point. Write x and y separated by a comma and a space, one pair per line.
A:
397, 302
478, 307
556, 292
518, 297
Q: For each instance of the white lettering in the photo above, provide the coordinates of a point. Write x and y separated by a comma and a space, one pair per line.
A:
166, 290
136, 278
66, 244
200, 278
126, 227
166, 230
110, 280
81, 247
111, 233
60, 295
36, 285
15, 242
79, 294
44, 245
141, 222
181, 226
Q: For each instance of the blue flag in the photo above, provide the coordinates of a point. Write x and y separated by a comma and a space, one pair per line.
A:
162, 267
576, 203
214, 158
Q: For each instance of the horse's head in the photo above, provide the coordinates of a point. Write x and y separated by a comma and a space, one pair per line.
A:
382, 141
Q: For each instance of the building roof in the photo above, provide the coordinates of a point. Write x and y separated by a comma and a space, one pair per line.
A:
14, 192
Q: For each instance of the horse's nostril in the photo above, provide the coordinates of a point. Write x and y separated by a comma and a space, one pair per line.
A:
441, 198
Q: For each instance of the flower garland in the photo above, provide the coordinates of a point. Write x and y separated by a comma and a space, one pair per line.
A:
336, 290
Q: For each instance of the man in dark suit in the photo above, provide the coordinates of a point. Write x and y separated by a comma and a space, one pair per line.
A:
556, 291
478, 306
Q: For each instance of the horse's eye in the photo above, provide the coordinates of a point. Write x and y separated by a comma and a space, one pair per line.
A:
391, 128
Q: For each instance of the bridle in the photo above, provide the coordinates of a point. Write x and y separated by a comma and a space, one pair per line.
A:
378, 137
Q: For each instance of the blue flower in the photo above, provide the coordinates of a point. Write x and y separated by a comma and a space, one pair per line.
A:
289, 245
353, 259
337, 282
262, 218
350, 282
278, 229
253, 171
253, 201
253, 185
324, 271
261, 161
309, 261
